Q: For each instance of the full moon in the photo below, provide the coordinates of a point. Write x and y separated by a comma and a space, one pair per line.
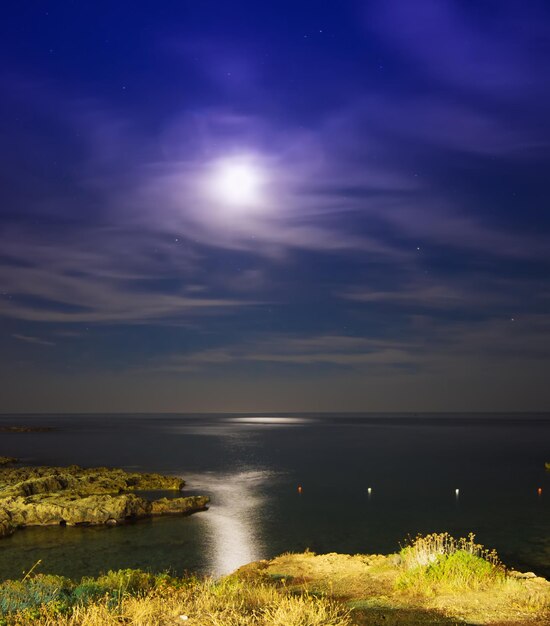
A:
237, 182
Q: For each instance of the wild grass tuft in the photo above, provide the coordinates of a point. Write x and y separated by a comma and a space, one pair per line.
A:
34, 592
441, 562
426, 549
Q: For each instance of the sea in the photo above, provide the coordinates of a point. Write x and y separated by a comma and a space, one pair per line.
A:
349, 483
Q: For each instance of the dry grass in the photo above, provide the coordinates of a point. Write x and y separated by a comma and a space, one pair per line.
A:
208, 603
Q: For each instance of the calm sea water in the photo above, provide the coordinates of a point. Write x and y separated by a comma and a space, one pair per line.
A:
251, 466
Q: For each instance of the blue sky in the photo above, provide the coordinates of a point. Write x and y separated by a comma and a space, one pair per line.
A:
397, 257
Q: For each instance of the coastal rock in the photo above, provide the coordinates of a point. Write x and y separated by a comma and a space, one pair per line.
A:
44, 496
33, 486
26, 429
25, 481
179, 506
8, 460
53, 510
6, 526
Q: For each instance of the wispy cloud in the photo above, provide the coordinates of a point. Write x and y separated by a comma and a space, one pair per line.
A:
100, 275
33, 340
331, 350
491, 54
474, 291
436, 296
430, 344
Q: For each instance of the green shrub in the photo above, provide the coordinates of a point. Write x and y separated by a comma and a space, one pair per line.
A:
124, 581
59, 593
439, 561
34, 592
87, 592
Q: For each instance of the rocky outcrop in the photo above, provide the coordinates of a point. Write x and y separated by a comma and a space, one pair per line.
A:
26, 481
6, 526
7, 460
43, 496
70, 511
26, 429
179, 506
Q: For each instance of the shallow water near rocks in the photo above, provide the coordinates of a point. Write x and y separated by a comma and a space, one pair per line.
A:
252, 466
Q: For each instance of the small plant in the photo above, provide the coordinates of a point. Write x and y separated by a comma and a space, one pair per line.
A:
424, 550
34, 592
126, 581
439, 561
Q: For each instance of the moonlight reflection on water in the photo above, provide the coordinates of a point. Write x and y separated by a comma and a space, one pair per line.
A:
232, 522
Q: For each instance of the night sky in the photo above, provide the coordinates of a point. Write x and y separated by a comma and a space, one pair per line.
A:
275, 206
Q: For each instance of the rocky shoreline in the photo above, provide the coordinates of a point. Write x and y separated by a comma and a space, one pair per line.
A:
71, 496
27, 429
8, 460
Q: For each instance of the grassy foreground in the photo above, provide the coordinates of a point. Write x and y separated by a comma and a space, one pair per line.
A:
434, 580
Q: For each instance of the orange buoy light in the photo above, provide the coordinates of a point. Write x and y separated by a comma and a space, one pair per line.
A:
539, 491
299, 488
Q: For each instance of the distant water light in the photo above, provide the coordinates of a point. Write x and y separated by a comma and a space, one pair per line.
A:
288, 421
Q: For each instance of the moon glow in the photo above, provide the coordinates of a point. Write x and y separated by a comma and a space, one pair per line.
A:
237, 183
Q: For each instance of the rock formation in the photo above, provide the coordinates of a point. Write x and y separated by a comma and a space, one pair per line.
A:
8, 460
41, 496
